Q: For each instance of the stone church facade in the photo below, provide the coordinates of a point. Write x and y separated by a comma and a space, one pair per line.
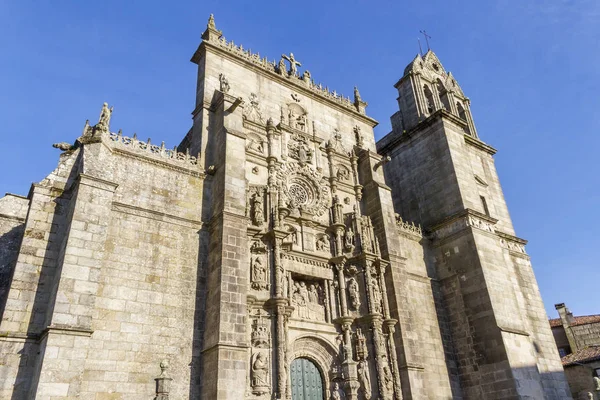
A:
278, 252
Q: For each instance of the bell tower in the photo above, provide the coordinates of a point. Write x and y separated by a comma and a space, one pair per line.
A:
443, 177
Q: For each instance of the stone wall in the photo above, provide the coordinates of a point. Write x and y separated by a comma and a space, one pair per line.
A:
581, 380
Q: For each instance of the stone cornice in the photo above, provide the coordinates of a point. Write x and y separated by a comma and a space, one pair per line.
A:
290, 82
461, 220
12, 217
156, 215
97, 183
470, 140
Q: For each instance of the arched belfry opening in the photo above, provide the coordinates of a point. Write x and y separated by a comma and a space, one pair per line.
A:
443, 93
463, 115
429, 99
306, 380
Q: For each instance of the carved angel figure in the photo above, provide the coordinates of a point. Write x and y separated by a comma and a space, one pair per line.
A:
376, 295
335, 392
258, 209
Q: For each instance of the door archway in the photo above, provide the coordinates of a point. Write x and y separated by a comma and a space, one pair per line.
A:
306, 380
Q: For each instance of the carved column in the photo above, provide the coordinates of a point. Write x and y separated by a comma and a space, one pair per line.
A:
332, 177
386, 304
380, 357
357, 186
393, 359
280, 305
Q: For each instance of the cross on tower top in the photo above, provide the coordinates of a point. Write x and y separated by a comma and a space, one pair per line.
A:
427, 37
293, 62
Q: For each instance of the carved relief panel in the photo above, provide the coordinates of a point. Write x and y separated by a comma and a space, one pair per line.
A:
309, 300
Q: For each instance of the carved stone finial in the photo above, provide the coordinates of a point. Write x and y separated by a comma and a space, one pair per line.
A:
356, 94
163, 382
359, 104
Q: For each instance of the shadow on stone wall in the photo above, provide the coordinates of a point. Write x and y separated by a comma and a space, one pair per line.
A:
10, 242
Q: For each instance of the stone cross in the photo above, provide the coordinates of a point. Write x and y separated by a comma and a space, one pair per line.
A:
293, 63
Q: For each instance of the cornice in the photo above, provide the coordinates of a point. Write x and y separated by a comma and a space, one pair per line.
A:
290, 83
470, 140
156, 215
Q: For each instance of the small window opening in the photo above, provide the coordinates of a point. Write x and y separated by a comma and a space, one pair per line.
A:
485, 206
429, 99
443, 94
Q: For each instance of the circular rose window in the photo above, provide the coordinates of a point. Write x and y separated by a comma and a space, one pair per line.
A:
298, 194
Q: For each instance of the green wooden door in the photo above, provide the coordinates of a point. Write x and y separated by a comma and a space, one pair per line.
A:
306, 380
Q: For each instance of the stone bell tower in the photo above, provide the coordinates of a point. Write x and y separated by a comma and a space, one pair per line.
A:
443, 177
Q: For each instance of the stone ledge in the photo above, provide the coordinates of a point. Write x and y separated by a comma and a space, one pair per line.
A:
156, 215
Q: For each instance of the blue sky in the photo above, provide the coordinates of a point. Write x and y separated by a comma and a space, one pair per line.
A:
530, 67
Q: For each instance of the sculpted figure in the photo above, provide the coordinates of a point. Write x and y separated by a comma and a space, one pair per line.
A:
224, 83
364, 379
313, 295
349, 239
105, 114
376, 295
282, 68
597, 384
258, 209
353, 293
323, 243
335, 392
259, 272
293, 63
388, 378
260, 371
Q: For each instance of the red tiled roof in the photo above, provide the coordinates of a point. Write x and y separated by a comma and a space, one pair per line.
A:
584, 319
590, 353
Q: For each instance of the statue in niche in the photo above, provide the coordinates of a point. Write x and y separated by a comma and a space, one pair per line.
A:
313, 295
364, 379
376, 295
259, 274
353, 293
323, 243
335, 392
349, 240
224, 83
104, 120
258, 210
260, 374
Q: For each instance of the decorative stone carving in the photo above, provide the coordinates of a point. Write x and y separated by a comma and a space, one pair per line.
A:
362, 351
354, 293
480, 224
224, 83
336, 392
376, 295
364, 379
252, 111
258, 216
335, 143
163, 382
260, 373
342, 173
513, 246
259, 274
308, 300
323, 243
260, 336
152, 150
293, 64
299, 149
408, 227
388, 378
303, 189
104, 120
349, 240
360, 140
255, 143
297, 117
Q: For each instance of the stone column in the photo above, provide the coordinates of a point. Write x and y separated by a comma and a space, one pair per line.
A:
380, 355
390, 323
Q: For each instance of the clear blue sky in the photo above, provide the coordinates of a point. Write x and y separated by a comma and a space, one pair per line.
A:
530, 67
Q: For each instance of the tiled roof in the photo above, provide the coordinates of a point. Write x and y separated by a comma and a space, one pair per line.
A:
584, 319
591, 353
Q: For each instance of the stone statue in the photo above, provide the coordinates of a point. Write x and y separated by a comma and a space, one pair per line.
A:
356, 95
224, 83
388, 379
335, 392
353, 293
306, 76
590, 396
376, 295
282, 68
258, 210
104, 120
259, 274
349, 239
293, 63
259, 374
313, 294
359, 137
364, 379
597, 384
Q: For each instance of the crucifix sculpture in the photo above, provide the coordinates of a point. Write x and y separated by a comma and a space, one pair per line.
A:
293, 63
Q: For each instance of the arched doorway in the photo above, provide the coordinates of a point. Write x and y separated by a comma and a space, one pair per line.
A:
307, 383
